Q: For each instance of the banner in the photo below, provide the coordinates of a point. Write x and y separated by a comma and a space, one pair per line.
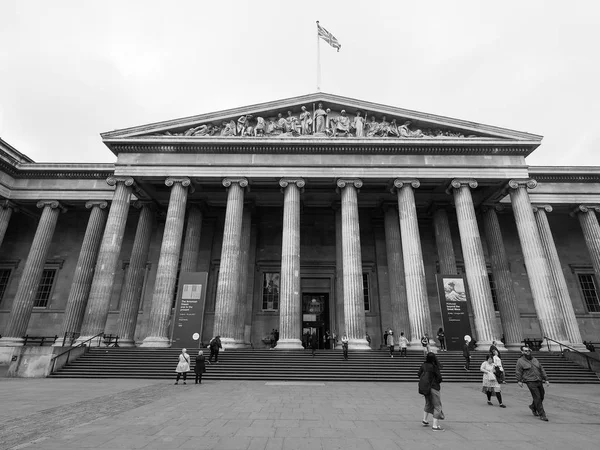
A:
452, 293
189, 310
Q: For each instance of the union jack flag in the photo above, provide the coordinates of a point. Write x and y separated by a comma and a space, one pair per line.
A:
328, 37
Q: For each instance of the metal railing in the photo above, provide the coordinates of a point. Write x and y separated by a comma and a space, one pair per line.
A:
99, 336
587, 358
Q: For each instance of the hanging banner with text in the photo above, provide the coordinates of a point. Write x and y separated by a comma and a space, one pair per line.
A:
189, 310
452, 293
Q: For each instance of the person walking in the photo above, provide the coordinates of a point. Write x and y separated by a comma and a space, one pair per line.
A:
403, 344
467, 352
490, 381
430, 378
368, 338
500, 375
529, 370
199, 367
390, 342
215, 346
345, 346
425, 344
183, 367
314, 343
442, 338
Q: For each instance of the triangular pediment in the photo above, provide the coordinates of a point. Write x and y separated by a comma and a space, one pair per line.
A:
319, 115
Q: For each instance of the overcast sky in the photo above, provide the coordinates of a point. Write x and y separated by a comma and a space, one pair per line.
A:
70, 70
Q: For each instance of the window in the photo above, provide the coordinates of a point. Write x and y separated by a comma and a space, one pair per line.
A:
493, 288
270, 291
4, 278
366, 297
587, 282
44, 291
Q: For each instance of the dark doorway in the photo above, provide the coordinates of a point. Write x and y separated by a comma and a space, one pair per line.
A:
315, 318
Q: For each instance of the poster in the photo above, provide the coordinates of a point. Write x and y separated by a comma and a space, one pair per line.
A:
189, 310
452, 293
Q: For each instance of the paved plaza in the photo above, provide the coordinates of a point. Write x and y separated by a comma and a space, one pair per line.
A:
229, 415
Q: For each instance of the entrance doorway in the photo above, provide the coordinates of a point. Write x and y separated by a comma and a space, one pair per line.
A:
315, 318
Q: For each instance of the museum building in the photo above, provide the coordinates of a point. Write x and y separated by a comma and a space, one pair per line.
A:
310, 214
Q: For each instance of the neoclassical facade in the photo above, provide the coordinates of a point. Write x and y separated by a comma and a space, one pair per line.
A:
313, 213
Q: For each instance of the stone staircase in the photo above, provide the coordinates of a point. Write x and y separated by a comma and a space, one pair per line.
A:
327, 365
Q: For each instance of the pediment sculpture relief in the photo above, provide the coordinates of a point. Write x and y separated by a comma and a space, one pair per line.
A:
320, 122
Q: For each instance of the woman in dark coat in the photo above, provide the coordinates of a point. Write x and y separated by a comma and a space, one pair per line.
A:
200, 367
433, 401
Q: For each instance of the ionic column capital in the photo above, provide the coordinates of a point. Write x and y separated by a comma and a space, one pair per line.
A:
242, 182
460, 182
492, 207
584, 209
401, 182
184, 181
537, 207
299, 182
516, 183
102, 204
6, 204
343, 182
127, 181
54, 204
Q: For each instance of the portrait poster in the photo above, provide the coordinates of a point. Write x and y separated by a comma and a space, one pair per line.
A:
452, 293
189, 310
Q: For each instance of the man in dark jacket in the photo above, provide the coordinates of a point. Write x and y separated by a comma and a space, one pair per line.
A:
467, 353
215, 346
529, 370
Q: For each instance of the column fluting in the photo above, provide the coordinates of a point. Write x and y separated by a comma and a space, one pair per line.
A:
6, 209
290, 305
354, 306
505, 292
168, 262
591, 233
242, 304
340, 320
443, 242
396, 277
414, 270
96, 314
191, 242
228, 282
84, 271
134, 278
540, 278
22, 306
477, 277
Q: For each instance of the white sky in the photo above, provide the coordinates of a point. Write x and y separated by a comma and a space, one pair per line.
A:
70, 70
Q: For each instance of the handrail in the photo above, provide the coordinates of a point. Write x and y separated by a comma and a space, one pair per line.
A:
587, 358
53, 359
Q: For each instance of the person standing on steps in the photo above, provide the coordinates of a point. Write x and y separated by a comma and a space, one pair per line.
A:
390, 342
430, 378
345, 346
314, 343
442, 338
200, 367
215, 346
425, 344
529, 370
490, 381
403, 344
183, 367
368, 338
467, 352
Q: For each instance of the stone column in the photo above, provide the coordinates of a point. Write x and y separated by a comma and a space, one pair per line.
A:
290, 303
396, 277
414, 270
354, 306
22, 306
96, 313
540, 278
563, 298
240, 327
134, 278
475, 268
168, 262
505, 292
191, 242
84, 271
591, 232
340, 323
6, 209
443, 241
228, 285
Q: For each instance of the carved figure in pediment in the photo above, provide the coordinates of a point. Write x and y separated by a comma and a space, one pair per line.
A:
271, 126
200, 130
384, 127
291, 125
228, 128
407, 132
305, 122
393, 129
242, 124
320, 119
372, 127
358, 124
328, 122
281, 124
342, 124
261, 127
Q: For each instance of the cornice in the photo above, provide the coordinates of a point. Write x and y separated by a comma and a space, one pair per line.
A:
565, 174
59, 170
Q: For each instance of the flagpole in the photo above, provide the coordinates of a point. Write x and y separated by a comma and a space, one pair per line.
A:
318, 61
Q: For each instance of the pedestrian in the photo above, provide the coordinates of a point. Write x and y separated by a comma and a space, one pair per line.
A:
327, 339
494, 348
333, 340
345, 346
183, 367
430, 378
403, 344
467, 352
276, 336
442, 338
385, 335
200, 367
529, 370
390, 342
425, 344
314, 343
490, 381
500, 375
215, 346
368, 338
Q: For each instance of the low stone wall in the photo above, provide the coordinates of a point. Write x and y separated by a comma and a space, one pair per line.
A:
35, 361
582, 361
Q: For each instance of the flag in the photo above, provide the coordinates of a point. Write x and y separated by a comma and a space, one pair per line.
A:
328, 37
